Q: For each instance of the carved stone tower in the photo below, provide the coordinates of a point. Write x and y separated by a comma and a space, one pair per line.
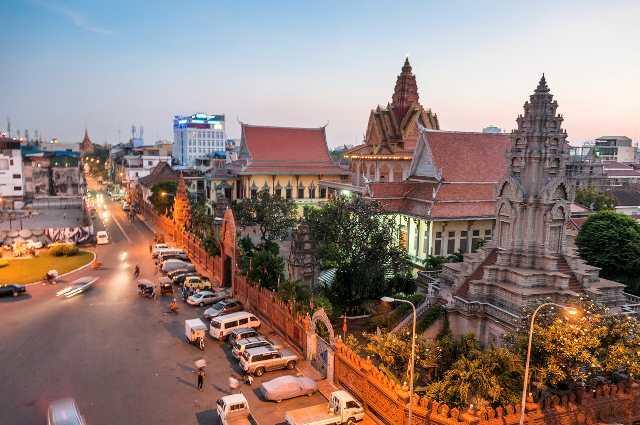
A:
405, 93
529, 261
181, 206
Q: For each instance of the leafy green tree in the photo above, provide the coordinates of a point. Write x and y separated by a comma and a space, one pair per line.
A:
611, 241
593, 199
162, 196
579, 350
356, 237
390, 351
483, 378
273, 215
267, 267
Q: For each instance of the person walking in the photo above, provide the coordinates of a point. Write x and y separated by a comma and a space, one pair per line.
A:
200, 378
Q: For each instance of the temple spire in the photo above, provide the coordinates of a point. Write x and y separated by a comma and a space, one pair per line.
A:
405, 93
181, 206
542, 85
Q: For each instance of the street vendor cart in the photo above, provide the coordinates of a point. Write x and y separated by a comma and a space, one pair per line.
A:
195, 332
166, 288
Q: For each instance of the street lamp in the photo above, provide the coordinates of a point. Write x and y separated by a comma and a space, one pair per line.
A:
570, 310
413, 350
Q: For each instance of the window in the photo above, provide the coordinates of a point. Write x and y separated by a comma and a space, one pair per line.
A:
487, 234
279, 192
288, 193
416, 240
17, 187
451, 243
301, 192
438, 244
254, 193
231, 324
323, 192
243, 321
352, 405
17, 176
464, 241
475, 240
11, 161
312, 193
425, 246
149, 163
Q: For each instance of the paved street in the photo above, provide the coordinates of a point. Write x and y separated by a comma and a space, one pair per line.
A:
122, 357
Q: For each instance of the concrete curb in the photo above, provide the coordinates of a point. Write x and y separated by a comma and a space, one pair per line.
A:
41, 282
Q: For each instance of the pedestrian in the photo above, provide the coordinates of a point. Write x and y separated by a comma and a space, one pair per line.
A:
248, 379
200, 378
150, 248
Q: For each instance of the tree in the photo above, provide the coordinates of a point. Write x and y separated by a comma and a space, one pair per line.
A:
611, 241
491, 377
162, 196
267, 266
595, 200
273, 215
355, 237
568, 351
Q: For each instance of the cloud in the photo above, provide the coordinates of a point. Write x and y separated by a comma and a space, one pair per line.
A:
77, 18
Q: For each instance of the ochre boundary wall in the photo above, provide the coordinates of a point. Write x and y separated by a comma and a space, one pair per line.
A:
382, 397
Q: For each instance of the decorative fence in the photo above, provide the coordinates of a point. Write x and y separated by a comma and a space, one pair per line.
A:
384, 398
388, 402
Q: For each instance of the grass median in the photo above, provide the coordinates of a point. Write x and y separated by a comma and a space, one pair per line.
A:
29, 270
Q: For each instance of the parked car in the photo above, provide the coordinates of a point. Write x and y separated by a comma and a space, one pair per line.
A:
342, 408
197, 282
288, 386
170, 265
221, 308
240, 346
257, 361
78, 286
155, 249
173, 256
203, 297
233, 410
102, 237
64, 412
178, 276
167, 250
12, 289
241, 333
221, 326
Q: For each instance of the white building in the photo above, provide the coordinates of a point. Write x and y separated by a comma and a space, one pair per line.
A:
198, 136
140, 163
11, 178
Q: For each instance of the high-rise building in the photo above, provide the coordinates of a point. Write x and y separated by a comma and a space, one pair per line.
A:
198, 136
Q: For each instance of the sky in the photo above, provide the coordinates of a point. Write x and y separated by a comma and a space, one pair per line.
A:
66, 65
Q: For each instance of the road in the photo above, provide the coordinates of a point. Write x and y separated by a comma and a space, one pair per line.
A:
122, 357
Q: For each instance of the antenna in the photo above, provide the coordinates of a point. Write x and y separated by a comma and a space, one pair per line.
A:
133, 131
9, 126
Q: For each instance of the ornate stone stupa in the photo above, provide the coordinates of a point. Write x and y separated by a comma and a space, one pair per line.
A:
529, 261
181, 206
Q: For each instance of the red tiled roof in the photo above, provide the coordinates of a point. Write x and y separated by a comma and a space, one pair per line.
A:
458, 210
469, 157
285, 143
286, 150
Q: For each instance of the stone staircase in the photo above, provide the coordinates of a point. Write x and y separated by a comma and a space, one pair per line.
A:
491, 259
564, 268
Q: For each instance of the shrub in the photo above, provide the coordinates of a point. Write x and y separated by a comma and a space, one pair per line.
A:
3, 263
430, 317
56, 249
69, 249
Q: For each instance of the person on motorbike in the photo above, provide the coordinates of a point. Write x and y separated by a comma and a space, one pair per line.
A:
173, 306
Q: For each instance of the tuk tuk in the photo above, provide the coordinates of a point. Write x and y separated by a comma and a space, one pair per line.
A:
195, 332
146, 288
166, 288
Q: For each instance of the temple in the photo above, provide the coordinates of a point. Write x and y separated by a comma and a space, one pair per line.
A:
529, 261
392, 134
181, 206
86, 146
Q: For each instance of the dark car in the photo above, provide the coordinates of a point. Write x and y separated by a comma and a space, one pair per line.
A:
12, 289
180, 278
222, 308
172, 274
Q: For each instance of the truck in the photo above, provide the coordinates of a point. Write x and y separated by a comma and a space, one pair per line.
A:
233, 410
342, 409
259, 360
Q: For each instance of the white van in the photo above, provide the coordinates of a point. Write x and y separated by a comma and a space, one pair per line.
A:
221, 326
157, 247
167, 251
102, 237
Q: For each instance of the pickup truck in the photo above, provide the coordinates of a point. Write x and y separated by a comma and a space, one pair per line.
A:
259, 360
342, 409
234, 410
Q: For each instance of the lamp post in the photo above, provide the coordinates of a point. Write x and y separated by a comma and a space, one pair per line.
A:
572, 311
413, 351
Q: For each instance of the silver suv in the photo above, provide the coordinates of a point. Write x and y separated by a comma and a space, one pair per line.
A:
241, 345
259, 360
